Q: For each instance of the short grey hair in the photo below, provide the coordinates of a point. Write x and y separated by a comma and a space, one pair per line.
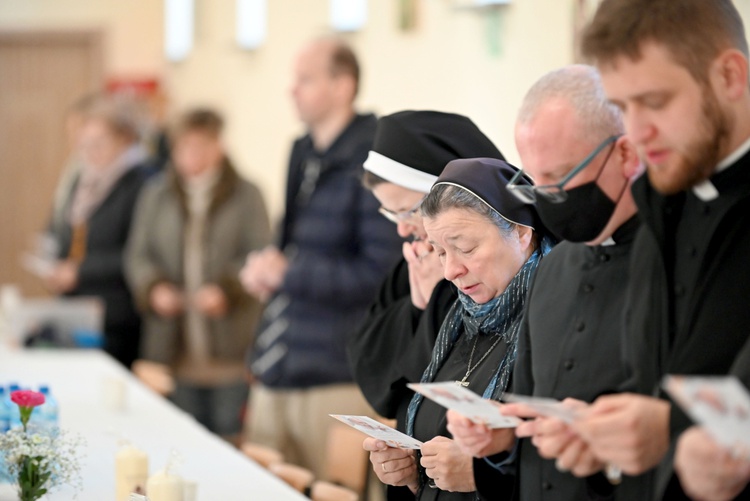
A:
447, 196
581, 86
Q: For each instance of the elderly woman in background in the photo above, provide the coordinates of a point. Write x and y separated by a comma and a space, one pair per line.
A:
490, 245
192, 230
97, 216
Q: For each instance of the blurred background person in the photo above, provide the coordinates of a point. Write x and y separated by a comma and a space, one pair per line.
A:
74, 120
97, 218
194, 226
334, 251
394, 343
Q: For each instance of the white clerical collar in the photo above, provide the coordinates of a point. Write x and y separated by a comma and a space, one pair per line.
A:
706, 190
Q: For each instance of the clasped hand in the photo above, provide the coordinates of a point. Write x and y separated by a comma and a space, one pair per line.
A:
264, 272
444, 463
425, 271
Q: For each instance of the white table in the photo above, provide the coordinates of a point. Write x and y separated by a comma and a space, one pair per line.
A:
76, 379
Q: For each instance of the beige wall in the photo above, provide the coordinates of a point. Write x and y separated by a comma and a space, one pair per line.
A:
445, 64
132, 28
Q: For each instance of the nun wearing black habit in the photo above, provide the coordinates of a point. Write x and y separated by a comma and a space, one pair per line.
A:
490, 245
394, 344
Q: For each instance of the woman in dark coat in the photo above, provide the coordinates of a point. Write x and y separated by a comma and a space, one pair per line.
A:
394, 343
96, 223
490, 245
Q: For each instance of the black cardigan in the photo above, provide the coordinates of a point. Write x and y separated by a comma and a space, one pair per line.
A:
715, 323
101, 271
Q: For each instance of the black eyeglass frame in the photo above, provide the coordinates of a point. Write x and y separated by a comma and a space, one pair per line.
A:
556, 193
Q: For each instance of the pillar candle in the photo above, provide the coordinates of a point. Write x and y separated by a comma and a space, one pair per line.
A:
163, 486
131, 471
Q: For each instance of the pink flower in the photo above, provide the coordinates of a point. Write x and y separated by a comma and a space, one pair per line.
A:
27, 398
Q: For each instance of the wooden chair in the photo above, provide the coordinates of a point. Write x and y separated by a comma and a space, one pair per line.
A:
297, 477
347, 463
261, 454
326, 491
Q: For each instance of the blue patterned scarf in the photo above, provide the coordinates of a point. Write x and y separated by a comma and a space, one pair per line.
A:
500, 316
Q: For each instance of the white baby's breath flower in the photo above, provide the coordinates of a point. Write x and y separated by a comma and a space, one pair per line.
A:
51, 450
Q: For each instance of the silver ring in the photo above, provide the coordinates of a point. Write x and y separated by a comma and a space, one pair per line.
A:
613, 473
382, 465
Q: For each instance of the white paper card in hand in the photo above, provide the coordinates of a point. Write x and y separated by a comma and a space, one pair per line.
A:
547, 407
721, 404
369, 426
467, 403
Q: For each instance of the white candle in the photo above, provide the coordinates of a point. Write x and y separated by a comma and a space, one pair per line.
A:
163, 486
131, 471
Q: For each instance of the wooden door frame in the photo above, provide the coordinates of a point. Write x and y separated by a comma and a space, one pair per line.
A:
92, 37
90, 78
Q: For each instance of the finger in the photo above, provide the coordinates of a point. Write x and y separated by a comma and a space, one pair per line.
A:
466, 429
526, 429
399, 478
390, 454
409, 254
551, 447
422, 250
552, 426
471, 437
428, 462
458, 420
396, 465
600, 428
587, 465
607, 404
568, 457
574, 403
435, 445
373, 444
518, 410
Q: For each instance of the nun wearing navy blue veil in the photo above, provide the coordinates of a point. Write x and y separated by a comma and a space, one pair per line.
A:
490, 244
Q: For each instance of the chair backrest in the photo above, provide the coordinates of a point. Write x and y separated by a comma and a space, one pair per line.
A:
262, 454
297, 477
347, 463
326, 491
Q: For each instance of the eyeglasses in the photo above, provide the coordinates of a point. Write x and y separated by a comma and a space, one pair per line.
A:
555, 193
399, 217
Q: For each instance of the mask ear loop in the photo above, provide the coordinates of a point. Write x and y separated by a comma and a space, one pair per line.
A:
627, 181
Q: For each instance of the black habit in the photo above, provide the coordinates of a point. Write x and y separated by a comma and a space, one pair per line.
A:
394, 344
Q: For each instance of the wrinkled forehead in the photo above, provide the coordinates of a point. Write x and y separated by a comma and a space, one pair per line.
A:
554, 138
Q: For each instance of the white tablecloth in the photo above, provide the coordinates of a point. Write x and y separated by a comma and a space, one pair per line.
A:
76, 379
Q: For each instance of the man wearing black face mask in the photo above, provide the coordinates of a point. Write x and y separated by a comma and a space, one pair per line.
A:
570, 141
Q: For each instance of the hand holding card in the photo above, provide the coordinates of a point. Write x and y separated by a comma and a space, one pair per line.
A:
467, 403
375, 429
721, 404
547, 407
